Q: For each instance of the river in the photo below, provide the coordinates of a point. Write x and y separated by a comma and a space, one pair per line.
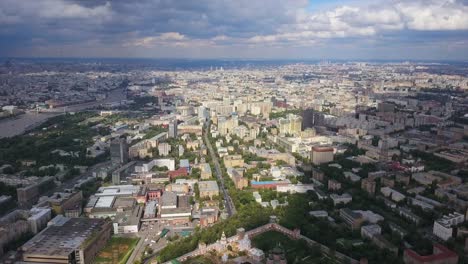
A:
18, 125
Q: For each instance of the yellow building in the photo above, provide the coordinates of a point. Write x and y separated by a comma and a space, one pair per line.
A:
292, 124
233, 161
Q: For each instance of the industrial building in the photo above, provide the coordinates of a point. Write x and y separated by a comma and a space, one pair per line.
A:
68, 240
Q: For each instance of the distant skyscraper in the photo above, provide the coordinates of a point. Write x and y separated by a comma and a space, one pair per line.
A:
173, 129
119, 151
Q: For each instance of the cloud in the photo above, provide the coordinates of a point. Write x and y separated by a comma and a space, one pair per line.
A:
435, 15
229, 26
46, 10
371, 20
164, 38
61, 9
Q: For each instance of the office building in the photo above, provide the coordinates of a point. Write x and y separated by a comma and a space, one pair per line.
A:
173, 129
119, 151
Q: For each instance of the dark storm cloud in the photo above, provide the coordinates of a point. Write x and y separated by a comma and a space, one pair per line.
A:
204, 27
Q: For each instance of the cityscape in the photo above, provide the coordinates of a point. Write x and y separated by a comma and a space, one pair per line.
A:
112, 157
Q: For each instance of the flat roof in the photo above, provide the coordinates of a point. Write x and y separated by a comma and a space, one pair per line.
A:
208, 186
61, 240
105, 202
117, 190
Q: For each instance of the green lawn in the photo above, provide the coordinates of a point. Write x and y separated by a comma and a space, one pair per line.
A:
118, 247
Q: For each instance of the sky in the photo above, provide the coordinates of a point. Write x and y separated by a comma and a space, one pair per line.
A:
241, 29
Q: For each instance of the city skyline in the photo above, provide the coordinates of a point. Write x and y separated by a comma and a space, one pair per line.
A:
299, 29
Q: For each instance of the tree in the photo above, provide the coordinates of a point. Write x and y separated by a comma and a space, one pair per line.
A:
196, 190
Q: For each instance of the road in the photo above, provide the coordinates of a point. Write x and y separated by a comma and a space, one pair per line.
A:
149, 232
231, 209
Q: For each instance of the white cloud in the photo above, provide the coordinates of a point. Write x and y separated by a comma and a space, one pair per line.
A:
61, 9
369, 20
171, 36
165, 38
434, 15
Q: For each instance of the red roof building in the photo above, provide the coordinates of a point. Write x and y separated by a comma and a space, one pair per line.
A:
181, 172
440, 255
154, 194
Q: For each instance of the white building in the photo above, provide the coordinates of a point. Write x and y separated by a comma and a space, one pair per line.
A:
164, 149
369, 231
443, 227
338, 199
169, 163
295, 188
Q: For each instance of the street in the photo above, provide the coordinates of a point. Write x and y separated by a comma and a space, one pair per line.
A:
231, 209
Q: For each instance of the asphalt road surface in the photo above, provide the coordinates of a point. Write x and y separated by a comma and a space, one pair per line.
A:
231, 209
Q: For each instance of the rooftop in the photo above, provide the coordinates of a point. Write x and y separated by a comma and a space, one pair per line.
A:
208, 186
62, 237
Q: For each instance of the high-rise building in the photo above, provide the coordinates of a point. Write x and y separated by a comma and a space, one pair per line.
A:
311, 118
290, 125
173, 129
226, 125
203, 113
119, 151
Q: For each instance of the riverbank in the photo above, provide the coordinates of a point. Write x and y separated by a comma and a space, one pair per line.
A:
20, 124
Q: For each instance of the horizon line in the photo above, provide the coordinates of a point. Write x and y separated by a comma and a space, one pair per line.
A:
237, 59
